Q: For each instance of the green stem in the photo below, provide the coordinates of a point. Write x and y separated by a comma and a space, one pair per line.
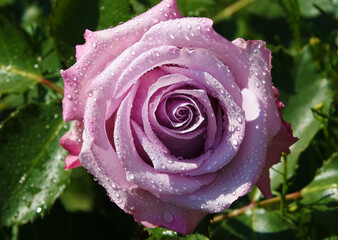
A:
231, 9
51, 85
15, 232
295, 22
285, 186
291, 8
240, 211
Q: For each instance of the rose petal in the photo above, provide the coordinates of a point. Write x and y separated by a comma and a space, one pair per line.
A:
237, 177
220, 156
100, 161
72, 161
137, 170
178, 141
72, 142
280, 143
259, 80
102, 47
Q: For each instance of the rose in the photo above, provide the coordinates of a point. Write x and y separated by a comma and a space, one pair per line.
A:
172, 119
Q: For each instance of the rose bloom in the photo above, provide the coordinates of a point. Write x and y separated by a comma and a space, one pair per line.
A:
172, 119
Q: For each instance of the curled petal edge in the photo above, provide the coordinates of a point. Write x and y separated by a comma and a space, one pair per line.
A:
72, 142
281, 143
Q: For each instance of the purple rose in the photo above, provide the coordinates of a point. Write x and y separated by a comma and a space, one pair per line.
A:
172, 119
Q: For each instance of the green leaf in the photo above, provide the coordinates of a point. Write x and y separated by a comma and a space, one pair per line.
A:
257, 224
301, 88
67, 23
19, 68
197, 8
309, 10
267, 9
31, 162
165, 234
161, 234
113, 12
67, 28
79, 194
195, 236
321, 195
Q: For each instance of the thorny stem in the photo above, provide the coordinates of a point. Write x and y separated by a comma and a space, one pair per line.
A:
242, 210
231, 9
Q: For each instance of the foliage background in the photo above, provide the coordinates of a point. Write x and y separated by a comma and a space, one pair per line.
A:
39, 200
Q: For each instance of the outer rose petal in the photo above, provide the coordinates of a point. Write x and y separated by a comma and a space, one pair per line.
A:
72, 161
72, 142
98, 157
259, 79
103, 163
102, 47
280, 143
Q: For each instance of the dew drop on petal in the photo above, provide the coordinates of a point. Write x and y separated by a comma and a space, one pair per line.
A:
239, 119
234, 142
130, 176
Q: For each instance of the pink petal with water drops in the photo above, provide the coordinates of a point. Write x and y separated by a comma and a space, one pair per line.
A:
280, 144
102, 47
72, 142
259, 79
238, 176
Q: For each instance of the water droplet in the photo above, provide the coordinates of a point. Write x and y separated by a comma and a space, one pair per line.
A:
231, 128
130, 176
171, 35
69, 96
234, 142
239, 119
23, 178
